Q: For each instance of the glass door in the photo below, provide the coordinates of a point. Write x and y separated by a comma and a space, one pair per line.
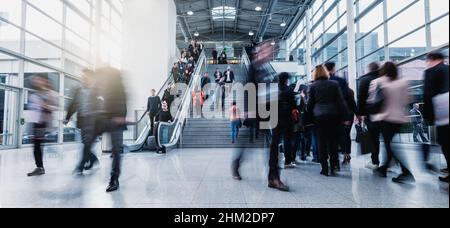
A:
9, 100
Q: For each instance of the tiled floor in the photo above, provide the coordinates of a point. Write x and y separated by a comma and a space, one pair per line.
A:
194, 178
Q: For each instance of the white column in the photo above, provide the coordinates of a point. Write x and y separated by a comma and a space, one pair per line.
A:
308, 46
351, 45
427, 24
20, 128
149, 48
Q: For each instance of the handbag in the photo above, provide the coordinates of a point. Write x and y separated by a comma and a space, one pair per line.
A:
363, 139
376, 101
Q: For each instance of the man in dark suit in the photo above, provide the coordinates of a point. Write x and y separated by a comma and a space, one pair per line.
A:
331, 68
344, 134
153, 107
286, 101
112, 117
84, 103
364, 116
436, 87
229, 79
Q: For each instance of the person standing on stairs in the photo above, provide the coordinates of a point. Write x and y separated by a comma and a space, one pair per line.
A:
229, 79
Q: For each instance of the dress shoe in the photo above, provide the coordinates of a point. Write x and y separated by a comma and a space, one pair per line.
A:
94, 163
443, 179
444, 170
277, 184
37, 172
324, 173
237, 177
78, 171
431, 167
113, 185
404, 178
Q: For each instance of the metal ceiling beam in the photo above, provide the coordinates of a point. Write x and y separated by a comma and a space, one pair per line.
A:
295, 20
238, 8
264, 23
211, 19
184, 26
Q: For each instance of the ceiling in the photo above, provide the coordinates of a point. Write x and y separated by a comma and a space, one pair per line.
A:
265, 23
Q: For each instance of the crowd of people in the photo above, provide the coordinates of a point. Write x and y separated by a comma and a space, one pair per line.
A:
316, 118
158, 108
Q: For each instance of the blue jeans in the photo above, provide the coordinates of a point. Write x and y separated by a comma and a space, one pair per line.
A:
234, 130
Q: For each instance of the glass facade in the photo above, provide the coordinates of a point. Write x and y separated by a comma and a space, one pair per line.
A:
385, 30
402, 31
55, 38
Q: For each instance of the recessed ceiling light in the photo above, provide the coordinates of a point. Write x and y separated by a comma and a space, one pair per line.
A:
273, 43
196, 34
190, 12
258, 8
283, 24
251, 33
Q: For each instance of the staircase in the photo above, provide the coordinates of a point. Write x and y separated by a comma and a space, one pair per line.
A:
215, 133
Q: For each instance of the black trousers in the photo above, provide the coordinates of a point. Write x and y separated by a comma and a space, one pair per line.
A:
374, 131
389, 130
116, 134
418, 132
283, 129
328, 143
443, 140
152, 121
345, 141
39, 138
88, 137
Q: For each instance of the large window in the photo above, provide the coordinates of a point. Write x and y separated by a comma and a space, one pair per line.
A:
385, 30
56, 39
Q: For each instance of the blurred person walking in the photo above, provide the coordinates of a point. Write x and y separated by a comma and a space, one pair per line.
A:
436, 95
42, 102
328, 109
112, 117
363, 114
85, 105
390, 94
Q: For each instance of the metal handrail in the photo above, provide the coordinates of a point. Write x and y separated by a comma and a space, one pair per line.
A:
184, 108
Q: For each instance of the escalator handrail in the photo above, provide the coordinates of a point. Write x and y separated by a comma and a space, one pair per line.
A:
184, 107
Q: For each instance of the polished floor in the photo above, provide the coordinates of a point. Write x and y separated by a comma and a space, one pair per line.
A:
193, 178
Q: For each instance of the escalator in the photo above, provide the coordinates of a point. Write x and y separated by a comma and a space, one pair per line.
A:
168, 134
145, 140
